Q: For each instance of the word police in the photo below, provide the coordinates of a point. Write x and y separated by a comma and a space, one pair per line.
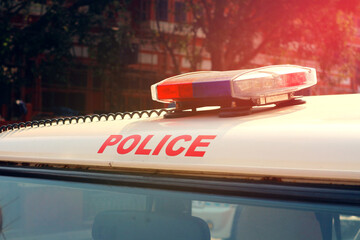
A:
172, 145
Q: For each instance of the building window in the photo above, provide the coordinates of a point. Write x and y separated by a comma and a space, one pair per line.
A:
162, 10
144, 10
141, 10
180, 13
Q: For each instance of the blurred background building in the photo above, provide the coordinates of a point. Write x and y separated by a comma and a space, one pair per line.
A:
64, 58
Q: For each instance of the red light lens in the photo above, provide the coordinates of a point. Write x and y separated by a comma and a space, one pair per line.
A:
172, 91
294, 79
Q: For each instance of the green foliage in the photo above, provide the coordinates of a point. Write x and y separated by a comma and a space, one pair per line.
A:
290, 31
38, 36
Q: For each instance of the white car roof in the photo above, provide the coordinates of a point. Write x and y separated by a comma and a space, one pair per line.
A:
315, 141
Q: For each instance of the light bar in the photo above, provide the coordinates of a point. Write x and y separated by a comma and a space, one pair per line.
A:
254, 84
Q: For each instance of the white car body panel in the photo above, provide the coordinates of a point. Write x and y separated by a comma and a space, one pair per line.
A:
318, 140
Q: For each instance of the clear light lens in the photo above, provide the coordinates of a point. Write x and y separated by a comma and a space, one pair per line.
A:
272, 80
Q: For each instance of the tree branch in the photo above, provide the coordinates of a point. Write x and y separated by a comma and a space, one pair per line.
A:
256, 51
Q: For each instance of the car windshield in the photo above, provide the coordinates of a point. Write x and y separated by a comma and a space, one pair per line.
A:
49, 209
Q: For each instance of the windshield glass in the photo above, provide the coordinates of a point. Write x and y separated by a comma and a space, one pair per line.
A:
48, 209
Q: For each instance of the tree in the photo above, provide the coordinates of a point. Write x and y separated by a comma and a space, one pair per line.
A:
238, 30
39, 37
169, 32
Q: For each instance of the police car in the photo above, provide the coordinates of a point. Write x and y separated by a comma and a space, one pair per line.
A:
240, 156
